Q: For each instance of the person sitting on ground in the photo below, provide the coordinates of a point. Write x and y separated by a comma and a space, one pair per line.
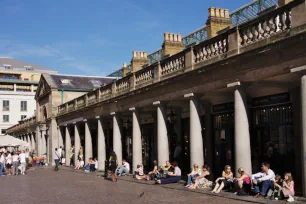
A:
124, 169
96, 163
288, 188
92, 165
88, 167
165, 169
139, 172
277, 185
172, 177
201, 180
80, 164
262, 181
224, 181
154, 173
196, 171
243, 183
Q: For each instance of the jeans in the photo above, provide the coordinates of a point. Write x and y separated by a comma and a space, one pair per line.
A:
122, 170
56, 164
191, 178
15, 168
1, 168
265, 186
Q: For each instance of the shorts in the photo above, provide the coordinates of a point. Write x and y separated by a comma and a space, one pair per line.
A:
8, 166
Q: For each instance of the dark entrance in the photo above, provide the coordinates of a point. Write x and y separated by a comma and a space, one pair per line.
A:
272, 135
223, 120
148, 145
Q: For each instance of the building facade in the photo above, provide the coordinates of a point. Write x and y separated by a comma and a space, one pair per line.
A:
237, 98
18, 85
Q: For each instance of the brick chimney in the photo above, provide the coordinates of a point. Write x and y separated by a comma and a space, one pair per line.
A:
218, 19
139, 59
172, 44
283, 2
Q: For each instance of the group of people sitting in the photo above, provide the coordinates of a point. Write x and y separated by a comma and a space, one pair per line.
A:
265, 183
91, 166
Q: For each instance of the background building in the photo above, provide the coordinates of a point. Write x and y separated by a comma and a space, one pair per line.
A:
18, 84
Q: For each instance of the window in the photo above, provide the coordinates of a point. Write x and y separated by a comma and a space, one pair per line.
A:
65, 81
7, 66
6, 118
6, 105
23, 117
3, 131
23, 106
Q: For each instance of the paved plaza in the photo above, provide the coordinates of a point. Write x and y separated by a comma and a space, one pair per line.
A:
43, 185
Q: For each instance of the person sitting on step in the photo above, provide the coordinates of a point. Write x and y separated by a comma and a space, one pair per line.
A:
196, 171
124, 169
243, 183
287, 189
262, 181
224, 181
172, 177
201, 180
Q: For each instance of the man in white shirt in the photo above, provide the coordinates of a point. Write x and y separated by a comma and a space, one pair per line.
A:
124, 169
22, 159
57, 159
262, 181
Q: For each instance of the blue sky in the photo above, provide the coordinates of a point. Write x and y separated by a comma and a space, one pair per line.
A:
95, 37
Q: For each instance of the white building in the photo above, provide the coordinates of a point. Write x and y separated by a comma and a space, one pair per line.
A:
18, 84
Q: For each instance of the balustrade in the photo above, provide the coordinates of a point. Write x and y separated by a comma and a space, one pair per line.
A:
144, 75
173, 64
106, 91
123, 84
71, 105
211, 48
80, 102
274, 22
92, 97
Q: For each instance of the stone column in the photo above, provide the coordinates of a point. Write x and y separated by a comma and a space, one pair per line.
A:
137, 146
101, 145
196, 139
303, 111
162, 134
77, 142
43, 142
88, 142
60, 137
117, 143
242, 134
32, 141
38, 142
67, 146
53, 138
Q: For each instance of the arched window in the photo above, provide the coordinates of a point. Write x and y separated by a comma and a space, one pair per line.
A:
45, 115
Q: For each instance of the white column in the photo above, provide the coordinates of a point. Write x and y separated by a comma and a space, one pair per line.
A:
88, 142
196, 139
60, 137
77, 142
43, 142
303, 102
162, 135
38, 142
67, 146
242, 134
117, 143
101, 145
32, 141
137, 146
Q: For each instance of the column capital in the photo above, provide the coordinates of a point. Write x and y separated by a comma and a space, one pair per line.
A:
74, 123
85, 120
132, 109
97, 117
233, 84
157, 103
113, 113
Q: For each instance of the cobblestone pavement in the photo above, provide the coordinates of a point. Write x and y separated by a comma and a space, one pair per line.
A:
43, 185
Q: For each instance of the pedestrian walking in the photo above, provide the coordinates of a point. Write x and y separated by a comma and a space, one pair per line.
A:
57, 159
22, 159
2, 162
15, 163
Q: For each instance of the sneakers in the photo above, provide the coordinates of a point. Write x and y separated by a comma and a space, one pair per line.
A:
291, 199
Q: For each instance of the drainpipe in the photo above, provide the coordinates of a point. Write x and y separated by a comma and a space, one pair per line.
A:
62, 95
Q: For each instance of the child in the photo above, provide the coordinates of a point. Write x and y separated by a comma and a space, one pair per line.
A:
277, 185
201, 180
139, 172
288, 187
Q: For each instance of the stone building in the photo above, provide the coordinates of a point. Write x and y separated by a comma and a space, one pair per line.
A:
237, 97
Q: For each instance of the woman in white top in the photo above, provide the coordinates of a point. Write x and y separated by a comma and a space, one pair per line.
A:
172, 177
196, 171
80, 164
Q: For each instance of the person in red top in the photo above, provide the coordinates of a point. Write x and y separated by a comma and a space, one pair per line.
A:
243, 183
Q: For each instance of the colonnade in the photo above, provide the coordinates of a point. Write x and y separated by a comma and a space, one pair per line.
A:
29, 138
